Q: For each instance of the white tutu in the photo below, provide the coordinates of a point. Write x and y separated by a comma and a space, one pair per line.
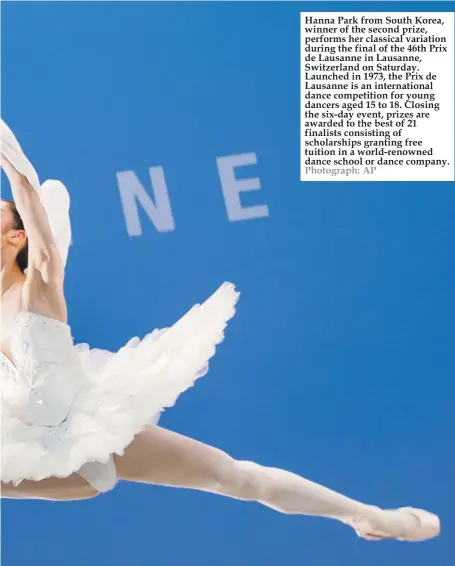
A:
64, 406
68, 408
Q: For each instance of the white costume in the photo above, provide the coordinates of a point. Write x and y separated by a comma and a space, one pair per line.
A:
68, 408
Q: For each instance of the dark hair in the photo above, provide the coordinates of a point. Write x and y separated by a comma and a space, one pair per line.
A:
22, 256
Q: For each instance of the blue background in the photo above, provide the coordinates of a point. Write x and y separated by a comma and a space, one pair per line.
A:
339, 363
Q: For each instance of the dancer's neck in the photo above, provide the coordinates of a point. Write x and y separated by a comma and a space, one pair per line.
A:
10, 274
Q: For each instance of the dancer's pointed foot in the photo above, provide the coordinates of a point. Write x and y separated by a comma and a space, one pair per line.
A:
405, 524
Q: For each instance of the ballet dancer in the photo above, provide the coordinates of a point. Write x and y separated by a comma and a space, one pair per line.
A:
75, 420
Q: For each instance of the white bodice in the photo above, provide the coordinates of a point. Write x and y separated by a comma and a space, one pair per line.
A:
41, 380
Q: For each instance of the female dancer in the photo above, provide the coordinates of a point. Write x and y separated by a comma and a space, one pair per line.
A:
76, 420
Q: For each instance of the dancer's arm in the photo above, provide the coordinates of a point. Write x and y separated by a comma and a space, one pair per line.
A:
56, 203
43, 254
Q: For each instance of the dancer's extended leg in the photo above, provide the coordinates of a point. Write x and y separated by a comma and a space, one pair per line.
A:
161, 457
72, 488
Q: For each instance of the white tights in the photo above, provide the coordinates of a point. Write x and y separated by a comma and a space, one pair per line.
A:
158, 456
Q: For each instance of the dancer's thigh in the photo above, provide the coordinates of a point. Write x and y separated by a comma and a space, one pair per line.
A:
163, 457
55, 489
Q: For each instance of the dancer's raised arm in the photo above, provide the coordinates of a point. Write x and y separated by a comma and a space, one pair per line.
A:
43, 254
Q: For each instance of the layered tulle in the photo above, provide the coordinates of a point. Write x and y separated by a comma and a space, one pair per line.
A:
105, 398
117, 394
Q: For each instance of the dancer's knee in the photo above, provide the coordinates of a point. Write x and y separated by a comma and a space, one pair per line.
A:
240, 479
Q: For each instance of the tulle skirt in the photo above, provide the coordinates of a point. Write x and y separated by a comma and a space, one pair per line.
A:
107, 397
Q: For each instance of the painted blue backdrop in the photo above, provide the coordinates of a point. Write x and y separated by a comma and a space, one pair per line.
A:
339, 363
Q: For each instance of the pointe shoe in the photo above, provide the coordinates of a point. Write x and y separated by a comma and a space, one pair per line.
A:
386, 525
429, 525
